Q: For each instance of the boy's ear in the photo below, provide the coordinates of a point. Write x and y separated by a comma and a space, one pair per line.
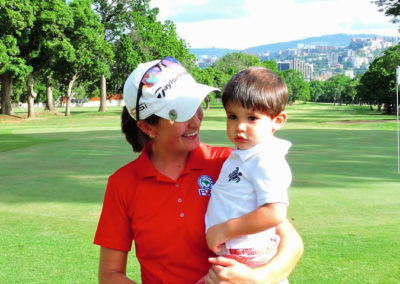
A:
279, 121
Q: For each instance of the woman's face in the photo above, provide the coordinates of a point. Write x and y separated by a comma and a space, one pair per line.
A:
178, 136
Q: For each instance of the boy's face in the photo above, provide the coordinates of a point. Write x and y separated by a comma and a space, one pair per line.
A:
247, 127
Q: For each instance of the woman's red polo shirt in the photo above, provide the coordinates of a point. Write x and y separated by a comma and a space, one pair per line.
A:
164, 218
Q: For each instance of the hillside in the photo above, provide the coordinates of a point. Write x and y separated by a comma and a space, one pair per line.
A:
337, 40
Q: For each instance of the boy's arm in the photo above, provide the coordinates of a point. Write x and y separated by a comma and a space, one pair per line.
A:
264, 217
278, 268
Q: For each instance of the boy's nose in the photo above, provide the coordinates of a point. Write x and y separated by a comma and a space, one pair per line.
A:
241, 127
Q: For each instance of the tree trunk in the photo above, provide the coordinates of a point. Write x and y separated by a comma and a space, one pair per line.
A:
69, 95
103, 94
6, 84
31, 96
50, 102
207, 102
388, 108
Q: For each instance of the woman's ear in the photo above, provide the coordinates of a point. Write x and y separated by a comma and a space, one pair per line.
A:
146, 128
279, 121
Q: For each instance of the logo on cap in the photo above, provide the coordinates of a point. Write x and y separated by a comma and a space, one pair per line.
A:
160, 93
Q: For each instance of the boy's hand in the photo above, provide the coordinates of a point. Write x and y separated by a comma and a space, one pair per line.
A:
216, 236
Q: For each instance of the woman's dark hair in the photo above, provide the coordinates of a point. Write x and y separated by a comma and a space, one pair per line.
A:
136, 137
257, 88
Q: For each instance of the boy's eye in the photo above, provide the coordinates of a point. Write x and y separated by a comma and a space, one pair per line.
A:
252, 118
232, 116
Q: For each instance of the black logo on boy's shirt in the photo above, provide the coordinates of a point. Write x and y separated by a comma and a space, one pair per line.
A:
235, 175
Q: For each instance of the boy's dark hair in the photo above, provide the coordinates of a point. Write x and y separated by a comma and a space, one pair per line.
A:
136, 137
257, 88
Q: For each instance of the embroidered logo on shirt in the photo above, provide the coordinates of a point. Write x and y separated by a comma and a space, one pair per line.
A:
205, 182
235, 175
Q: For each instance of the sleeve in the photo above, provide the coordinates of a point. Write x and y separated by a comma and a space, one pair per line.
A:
271, 179
114, 227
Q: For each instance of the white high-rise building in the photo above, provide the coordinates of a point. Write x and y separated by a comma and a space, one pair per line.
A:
333, 59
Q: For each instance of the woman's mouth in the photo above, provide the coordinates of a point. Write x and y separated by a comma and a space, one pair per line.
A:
191, 135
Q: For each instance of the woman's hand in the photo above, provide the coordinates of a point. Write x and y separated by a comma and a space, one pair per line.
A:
225, 270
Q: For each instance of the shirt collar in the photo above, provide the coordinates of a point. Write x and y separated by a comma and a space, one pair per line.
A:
273, 145
246, 154
196, 159
146, 169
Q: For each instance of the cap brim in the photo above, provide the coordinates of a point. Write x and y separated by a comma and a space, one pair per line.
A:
185, 107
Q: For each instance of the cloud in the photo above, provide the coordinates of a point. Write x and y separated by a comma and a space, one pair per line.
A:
244, 23
208, 10
184, 11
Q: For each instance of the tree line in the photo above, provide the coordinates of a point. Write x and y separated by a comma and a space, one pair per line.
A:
85, 48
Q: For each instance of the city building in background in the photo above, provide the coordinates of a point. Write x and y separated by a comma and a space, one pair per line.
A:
298, 65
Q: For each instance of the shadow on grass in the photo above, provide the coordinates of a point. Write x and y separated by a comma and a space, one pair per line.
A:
12, 142
342, 157
74, 167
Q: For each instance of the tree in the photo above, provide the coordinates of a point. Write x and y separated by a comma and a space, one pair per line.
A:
351, 90
16, 20
271, 64
116, 18
234, 62
378, 84
144, 38
125, 61
153, 39
336, 86
212, 77
316, 90
52, 26
89, 48
298, 88
46, 41
391, 8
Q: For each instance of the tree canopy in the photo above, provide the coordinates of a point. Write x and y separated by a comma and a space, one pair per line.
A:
74, 46
391, 8
378, 84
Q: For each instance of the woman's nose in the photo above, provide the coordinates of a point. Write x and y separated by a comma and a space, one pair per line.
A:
196, 119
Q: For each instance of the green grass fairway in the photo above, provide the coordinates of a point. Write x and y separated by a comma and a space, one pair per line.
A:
344, 199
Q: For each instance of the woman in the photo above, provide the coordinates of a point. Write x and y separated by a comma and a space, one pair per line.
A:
159, 200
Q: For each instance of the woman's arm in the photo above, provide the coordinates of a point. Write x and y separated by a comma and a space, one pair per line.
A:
112, 267
278, 268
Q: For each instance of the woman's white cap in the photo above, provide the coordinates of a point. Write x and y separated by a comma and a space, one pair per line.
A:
171, 94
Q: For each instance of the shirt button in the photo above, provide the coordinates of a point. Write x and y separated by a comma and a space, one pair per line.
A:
180, 200
182, 215
176, 185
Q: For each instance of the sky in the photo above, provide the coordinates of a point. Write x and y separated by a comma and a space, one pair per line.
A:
239, 24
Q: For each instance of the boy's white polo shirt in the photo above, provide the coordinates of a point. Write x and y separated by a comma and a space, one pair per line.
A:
248, 179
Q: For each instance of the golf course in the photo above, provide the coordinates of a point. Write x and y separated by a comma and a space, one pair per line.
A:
344, 198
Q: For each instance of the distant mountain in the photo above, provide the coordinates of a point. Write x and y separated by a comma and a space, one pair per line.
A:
213, 51
337, 40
